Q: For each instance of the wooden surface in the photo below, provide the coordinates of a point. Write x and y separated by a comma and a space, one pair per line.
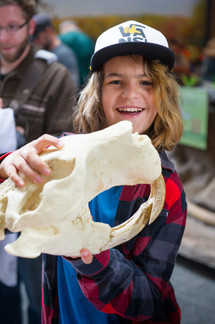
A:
198, 243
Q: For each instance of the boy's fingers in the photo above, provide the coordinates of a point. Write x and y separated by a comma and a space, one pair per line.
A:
46, 140
86, 256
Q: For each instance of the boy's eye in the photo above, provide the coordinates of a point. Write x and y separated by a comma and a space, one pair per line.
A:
115, 82
146, 82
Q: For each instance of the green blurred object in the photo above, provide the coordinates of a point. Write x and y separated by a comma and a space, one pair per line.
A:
195, 117
83, 46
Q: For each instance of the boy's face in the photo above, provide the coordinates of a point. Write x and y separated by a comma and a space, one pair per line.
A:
127, 93
13, 43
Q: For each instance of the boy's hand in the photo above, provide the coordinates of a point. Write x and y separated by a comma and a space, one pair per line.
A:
27, 161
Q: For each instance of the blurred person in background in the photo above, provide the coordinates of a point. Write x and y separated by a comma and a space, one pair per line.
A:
45, 36
186, 63
80, 43
182, 65
40, 91
208, 64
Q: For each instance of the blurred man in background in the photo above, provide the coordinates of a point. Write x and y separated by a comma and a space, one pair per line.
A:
45, 36
82, 45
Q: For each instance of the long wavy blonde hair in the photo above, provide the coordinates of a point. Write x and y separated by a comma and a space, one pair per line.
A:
166, 129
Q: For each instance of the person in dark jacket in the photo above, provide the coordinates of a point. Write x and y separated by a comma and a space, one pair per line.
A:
40, 91
131, 80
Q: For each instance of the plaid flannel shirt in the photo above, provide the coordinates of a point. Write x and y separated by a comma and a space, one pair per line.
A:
131, 280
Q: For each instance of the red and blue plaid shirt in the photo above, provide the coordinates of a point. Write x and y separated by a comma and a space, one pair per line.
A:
133, 279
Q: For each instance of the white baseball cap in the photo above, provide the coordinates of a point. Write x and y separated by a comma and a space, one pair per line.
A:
131, 37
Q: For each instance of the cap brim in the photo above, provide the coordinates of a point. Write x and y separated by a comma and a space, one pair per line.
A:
151, 50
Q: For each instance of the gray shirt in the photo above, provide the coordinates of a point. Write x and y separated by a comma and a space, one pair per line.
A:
67, 57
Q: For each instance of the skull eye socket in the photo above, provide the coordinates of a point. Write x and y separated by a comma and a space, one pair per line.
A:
60, 169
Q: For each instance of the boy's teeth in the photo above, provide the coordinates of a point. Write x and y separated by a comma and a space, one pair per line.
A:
130, 109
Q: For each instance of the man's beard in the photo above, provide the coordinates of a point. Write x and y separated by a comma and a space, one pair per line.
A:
15, 56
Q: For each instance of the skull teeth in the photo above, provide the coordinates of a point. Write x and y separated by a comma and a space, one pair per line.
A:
147, 213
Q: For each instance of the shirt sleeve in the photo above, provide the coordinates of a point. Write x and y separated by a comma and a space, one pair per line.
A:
132, 280
2, 157
60, 107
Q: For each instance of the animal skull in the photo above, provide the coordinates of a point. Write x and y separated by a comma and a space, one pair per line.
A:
54, 217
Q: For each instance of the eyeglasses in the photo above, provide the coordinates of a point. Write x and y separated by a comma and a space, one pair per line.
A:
12, 29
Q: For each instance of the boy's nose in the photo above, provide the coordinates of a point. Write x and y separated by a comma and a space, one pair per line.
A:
130, 91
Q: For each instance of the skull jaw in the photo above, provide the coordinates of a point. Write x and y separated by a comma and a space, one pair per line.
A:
70, 242
69, 238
